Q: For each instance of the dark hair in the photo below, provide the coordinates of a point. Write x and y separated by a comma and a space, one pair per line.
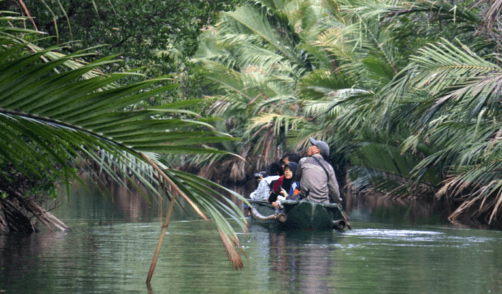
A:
292, 166
274, 168
292, 157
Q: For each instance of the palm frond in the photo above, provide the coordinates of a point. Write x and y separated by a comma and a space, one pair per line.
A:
68, 116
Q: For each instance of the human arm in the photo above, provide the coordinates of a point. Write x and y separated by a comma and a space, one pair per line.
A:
284, 193
273, 195
302, 176
276, 187
334, 190
298, 174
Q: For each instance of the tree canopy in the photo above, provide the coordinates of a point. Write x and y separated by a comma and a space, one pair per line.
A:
154, 37
406, 93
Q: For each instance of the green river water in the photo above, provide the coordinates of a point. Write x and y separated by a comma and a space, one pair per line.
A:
393, 248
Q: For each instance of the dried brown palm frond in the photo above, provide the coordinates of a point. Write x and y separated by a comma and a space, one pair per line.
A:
231, 246
235, 167
491, 16
208, 171
238, 169
19, 214
267, 145
25, 9
478, 199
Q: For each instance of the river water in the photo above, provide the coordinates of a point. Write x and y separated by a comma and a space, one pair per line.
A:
393, 248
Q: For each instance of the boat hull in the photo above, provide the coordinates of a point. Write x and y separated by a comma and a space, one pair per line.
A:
298, 215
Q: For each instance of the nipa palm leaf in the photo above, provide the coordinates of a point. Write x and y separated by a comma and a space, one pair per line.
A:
45, 106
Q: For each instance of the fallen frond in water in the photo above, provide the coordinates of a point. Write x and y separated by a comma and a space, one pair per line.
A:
17, 212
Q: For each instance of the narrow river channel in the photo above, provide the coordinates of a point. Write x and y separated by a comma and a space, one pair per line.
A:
391, 249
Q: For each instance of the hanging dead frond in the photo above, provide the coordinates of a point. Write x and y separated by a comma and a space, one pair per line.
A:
231, 251
238, 169
491, 16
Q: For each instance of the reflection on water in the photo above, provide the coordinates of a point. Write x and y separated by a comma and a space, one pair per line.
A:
375, 208
392, 249
302, 260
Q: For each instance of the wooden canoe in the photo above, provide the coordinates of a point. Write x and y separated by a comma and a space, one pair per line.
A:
298, 215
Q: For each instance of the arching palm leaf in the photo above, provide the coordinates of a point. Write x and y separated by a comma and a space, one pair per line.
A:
67, 116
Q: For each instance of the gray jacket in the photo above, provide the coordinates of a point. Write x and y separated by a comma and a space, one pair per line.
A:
314, 183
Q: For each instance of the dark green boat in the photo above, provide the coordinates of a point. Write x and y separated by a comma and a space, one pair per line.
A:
299, 215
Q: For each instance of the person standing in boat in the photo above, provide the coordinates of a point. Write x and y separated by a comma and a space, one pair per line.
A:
288, 186
317, 177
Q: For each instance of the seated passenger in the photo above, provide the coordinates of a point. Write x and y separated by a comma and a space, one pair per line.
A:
290, 157
285, 160
287, 188
317, 176
262, 192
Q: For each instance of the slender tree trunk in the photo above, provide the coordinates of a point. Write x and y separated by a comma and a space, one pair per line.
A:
161, 240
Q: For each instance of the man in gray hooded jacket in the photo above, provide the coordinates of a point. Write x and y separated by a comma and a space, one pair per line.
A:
317, 177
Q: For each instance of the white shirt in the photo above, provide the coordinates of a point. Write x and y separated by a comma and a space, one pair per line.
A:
263, 191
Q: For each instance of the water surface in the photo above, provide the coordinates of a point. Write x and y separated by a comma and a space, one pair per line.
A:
391, 249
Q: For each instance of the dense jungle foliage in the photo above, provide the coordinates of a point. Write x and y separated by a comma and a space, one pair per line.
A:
406, 93
156, 37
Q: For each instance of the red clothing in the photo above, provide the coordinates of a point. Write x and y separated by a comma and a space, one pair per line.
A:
277, 185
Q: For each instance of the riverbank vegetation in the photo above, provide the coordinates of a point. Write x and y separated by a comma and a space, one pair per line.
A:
407, 94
